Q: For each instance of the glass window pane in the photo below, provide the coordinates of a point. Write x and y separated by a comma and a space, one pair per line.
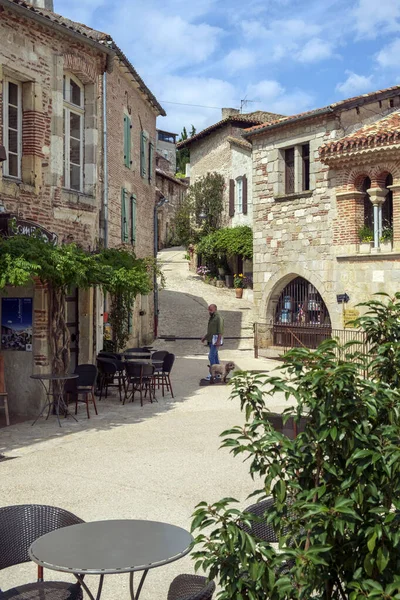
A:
12, 164
12, 117
75, 151
75, 125
75, 94
12, 93
75, 177
13, 141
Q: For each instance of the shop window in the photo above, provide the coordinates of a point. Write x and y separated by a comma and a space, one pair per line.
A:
12, 127
73, 93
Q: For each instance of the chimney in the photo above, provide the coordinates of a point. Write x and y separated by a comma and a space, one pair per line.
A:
48, 4
229, 112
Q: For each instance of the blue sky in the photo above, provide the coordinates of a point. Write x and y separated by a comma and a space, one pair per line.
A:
285, 55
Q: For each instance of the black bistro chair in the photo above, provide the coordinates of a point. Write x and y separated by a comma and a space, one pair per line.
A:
259, 526
164, 376
140, 377
83, 386
109, 372
191, 587
20, 526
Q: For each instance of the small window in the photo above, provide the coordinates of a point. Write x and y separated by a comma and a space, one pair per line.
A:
73, 133
239, 195
305, 154
127, 141
12, 120
289, 171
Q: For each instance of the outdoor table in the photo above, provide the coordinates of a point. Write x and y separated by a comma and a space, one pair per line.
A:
111, 547
57, 396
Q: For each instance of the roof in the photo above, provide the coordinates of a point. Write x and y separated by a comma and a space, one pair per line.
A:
103, 41
383, 132
170, 177
239, 142
331, 109
244, 119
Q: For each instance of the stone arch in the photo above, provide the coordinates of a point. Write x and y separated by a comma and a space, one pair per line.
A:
353, 178
359, 182
380, 172
85, 70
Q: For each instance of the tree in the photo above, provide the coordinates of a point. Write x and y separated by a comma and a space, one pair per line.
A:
117, 271
183, 155
336, 486
228, 241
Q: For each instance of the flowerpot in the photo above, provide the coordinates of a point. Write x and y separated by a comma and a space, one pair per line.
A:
229, 281
239, 292
365, 247
386, 246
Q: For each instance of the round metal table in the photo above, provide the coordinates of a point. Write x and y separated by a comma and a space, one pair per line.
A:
57, 396
111, 547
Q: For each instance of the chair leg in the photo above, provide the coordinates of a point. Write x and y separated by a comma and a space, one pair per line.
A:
76, 403
87, 405
170, 385
6, 409
94, 402
101, 386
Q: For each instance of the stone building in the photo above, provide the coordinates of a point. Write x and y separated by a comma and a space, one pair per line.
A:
320, 180
60, 176
166, 147
170, 193
221, 148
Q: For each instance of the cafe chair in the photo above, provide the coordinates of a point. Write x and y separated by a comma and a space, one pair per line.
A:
260, 529
83, 386
109, 370
20, 526
191, 587
140, 377
165, 375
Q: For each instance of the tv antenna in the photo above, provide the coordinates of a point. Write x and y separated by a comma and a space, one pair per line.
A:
245, 102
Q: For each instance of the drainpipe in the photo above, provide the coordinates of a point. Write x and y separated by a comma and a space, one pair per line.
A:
105, 161
155, 285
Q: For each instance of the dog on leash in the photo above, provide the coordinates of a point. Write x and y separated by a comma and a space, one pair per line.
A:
221, 370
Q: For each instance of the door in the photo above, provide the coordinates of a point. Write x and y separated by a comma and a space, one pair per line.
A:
72, 315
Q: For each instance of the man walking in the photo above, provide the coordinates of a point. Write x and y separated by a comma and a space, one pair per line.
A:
215, 330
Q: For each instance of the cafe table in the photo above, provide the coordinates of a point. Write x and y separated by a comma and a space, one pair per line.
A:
54, 393
109, 548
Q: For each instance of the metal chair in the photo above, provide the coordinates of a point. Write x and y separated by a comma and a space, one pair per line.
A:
20, 526
164, 374
191, 587
112, 355
108, 370
140, 376
84, 385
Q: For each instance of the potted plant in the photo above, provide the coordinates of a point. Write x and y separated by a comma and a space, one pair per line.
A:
386, 239
203, 271
366, 236
238, 284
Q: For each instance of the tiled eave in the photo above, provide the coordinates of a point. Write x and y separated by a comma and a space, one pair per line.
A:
362, 155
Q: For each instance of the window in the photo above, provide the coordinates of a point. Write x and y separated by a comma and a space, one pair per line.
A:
164, 136
133, 218
124, 216
297, 169
127, 141
12, 120
73, 93
239, 195
151, 160
143, 153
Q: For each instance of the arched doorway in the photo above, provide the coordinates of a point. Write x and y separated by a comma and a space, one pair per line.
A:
301, 316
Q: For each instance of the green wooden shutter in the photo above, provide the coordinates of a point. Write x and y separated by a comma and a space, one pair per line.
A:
124, 216
143, 143
133, 218
151, 155
127, 141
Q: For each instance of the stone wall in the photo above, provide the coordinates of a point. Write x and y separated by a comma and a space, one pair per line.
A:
174, 191
242, 165
299, 234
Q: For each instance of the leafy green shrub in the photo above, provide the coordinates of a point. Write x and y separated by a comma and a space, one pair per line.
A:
365, 234
228, 241
336, 487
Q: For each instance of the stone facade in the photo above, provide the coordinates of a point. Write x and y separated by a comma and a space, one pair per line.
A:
166, 147
171, 192
313, 233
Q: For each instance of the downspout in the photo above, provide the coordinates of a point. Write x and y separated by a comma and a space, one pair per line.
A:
105, 161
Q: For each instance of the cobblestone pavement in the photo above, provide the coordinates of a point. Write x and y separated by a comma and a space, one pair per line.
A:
154, 462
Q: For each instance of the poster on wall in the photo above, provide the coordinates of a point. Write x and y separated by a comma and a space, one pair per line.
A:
16, 324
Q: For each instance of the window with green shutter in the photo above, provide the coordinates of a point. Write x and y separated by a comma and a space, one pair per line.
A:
143, 152
133, 218
127, 141
151, 155
124, 216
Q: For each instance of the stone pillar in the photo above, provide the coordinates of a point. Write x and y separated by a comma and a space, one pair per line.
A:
298, 170
56, 173
377, 197
86, 333
395, 189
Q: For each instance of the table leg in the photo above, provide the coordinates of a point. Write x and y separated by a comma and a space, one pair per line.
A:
48, 405
132, 591
85, 587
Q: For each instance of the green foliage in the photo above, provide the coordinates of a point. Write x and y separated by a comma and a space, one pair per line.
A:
336, 487
228, 241
365, 234
183, 155
238, 281
387, 234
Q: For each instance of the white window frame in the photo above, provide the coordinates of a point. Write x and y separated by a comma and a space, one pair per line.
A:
239, 195
78, 110
6, 104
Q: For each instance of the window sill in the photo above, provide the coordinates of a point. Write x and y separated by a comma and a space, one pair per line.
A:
288, 197
393, 255
75, 197
10, 184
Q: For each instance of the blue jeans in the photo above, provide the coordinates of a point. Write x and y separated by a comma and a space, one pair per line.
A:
213, 355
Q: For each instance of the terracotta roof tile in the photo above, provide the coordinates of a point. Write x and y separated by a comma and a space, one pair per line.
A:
332, 108
385, 131
239, 142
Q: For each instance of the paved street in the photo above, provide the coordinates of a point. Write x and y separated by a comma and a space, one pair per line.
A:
154, 462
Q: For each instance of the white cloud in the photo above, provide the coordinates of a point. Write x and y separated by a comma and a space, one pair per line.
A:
272, 96
239, 59
315, 50
373, 19
355, 84
389, 55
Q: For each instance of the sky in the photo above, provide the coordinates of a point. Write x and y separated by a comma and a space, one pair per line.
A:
282, 56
